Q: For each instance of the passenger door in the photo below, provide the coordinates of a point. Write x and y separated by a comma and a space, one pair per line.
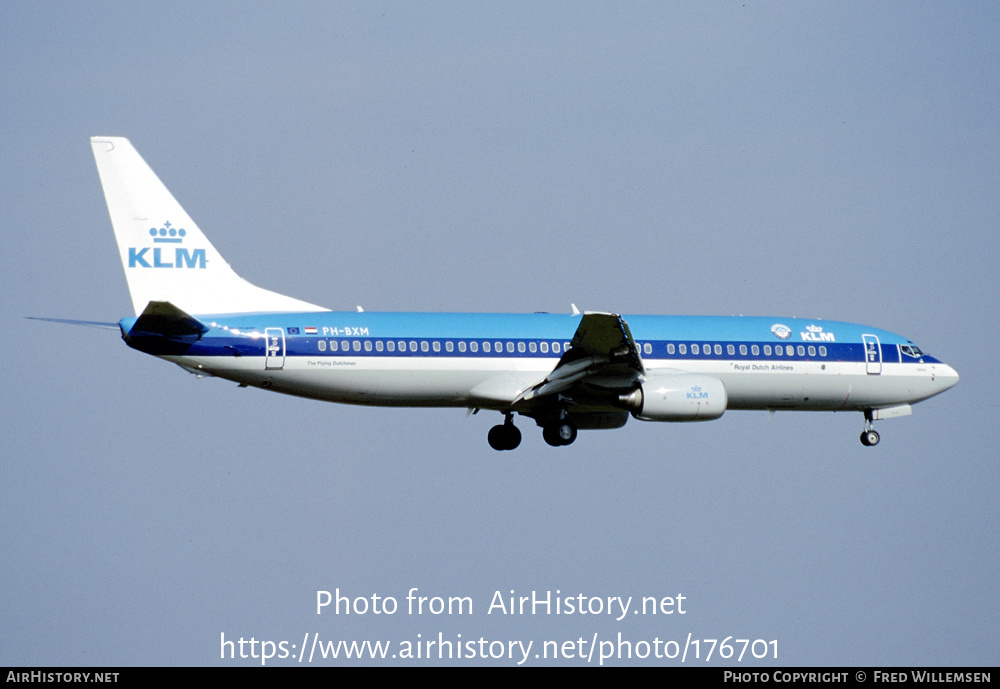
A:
274, 357
873, 354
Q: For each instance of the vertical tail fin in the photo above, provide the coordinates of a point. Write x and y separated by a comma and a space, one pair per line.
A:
165, 256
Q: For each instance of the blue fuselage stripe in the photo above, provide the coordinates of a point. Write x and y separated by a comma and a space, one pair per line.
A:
310, 346
674, 338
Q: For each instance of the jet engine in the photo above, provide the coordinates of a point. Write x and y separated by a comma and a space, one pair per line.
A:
678, 397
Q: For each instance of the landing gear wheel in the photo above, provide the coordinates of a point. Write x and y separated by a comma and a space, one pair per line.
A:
504, 437
869, 438
497, 438
549, 436
566, 432
559, 433
513, 436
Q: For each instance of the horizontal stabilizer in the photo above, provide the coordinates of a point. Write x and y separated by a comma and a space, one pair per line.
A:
67, 321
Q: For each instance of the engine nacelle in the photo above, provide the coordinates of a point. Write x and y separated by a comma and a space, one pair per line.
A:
678, 397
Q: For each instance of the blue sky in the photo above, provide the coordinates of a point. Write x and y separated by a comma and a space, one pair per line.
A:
830, 160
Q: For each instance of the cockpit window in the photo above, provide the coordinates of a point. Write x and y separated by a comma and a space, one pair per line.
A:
911, 350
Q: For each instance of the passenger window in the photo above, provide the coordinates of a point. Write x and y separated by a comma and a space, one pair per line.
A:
486, 347
357, 345
322, 345
402, 346
510, 347
532, 347
812, 351
474, 346
695, 349
670, 348
437, 346
822, 350
368, 345
755, 350
743, 350
424, 346
544, 347
413, 346
682, 348
461, 346
391, 346
520, 347
555, 347
647, 348
801, 350
718, 350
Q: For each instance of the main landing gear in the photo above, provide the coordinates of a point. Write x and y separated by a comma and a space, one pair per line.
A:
505, 436
869, 437
559, 433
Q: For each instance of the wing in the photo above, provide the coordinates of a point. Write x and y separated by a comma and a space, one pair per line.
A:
601, 363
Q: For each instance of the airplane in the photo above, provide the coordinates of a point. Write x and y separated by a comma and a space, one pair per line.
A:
566, 372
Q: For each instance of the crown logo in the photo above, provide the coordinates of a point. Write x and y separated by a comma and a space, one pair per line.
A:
814, 328
696, 388
168, 234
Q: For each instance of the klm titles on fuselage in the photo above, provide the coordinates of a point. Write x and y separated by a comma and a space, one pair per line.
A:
161, 257
814, 333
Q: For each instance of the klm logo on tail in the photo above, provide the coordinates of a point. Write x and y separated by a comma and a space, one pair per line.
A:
161, 257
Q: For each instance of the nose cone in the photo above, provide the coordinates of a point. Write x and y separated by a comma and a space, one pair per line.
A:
945, 377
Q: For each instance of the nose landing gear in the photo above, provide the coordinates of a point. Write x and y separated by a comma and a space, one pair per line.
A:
869, 437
